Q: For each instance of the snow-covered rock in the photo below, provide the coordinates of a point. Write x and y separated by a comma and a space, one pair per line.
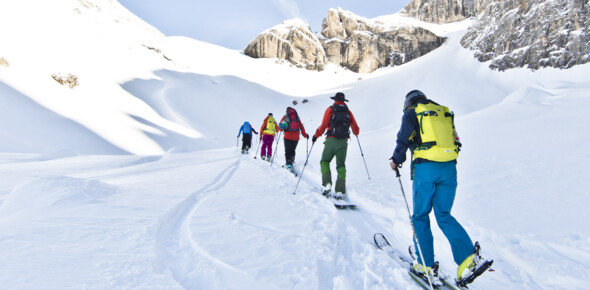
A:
291, 40
347, 40
363, 45
531, 33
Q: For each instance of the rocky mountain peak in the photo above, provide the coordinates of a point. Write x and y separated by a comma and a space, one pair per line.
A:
508, 33
364, 45
292, 40
348, 40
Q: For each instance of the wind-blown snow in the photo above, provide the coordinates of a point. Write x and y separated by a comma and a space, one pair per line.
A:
187, 210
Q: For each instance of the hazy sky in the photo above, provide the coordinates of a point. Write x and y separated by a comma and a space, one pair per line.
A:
234, 23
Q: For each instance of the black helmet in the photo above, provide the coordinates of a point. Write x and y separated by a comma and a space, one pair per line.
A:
412, 98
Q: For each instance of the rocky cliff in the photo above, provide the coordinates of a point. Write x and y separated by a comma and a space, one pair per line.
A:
508, 33
531, 33
347, 40
292, 41
363, 45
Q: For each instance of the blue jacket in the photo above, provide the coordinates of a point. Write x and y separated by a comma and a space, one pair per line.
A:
247, 129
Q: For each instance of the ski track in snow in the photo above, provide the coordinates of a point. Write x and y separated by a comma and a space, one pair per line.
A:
345, 250
189, 264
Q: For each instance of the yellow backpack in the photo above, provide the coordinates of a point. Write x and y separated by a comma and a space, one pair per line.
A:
270, 126
437, 131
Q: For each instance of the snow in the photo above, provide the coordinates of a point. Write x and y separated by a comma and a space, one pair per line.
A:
132, 179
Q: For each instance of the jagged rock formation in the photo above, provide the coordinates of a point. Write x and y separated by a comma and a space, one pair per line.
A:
509, 33
293, 41
440, 11
364, 46
531, 33
347, 40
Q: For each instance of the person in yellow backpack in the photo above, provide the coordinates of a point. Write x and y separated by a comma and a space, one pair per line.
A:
268, 130
428, 130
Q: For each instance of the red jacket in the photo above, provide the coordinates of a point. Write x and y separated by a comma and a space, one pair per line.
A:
294, 135
328, 116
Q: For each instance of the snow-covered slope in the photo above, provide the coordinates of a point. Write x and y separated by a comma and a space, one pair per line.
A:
132, 80
212, 218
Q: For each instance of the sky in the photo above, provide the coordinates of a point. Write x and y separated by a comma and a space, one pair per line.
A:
234, 23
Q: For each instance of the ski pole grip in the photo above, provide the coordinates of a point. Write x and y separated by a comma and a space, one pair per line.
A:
397, 172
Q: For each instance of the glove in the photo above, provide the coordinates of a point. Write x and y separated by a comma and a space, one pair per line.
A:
394, 167
307, 137
313, 139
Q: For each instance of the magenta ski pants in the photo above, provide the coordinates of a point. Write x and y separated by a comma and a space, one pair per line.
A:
266, 149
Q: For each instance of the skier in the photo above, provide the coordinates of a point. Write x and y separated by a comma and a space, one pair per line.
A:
268, 130
338, 120
292, 126
247, 137
428, 130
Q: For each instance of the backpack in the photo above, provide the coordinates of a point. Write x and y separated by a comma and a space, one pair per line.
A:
437, 132
247, 128
292, 120
340, 122
270, 125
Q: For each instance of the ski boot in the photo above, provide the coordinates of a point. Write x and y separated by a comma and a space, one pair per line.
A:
472, 267
337, 195
326, 189
427, 273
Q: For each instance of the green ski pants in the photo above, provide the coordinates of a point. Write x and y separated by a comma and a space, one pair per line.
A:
334, 147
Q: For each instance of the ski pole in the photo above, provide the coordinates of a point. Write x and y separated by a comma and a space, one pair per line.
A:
412, 224
303, 169
276, 148
363, 155
237, 140
257, 147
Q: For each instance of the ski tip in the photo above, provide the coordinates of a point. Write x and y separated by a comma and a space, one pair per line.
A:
380, 241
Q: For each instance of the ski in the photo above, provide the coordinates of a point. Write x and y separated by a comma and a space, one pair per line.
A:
338, 203
479, 269
421, 279
342, 204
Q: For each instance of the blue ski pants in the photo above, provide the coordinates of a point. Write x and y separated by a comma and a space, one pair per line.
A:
434, 186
